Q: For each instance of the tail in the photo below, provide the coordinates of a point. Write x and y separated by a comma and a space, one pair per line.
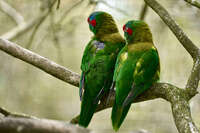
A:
118, 115
88, 108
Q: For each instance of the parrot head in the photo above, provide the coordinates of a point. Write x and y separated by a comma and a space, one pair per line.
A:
101, 23
137, 31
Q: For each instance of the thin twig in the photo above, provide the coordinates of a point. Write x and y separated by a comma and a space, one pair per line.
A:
62, 18
39, 24
23, 28
58, 5
12, 12
7, 113
143, 12
194, 3
56, 38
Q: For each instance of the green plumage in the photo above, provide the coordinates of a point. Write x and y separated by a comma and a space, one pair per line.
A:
136, 69
98, 63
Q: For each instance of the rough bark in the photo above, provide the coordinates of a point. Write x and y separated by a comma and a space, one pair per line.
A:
166, 91
26, 125
193, 3
40, 62
179, 98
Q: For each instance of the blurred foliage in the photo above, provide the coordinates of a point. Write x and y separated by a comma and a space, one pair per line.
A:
62, 37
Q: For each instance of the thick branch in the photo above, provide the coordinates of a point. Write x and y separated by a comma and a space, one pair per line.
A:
193, 81
181, 36
177, 97
26, 125
182, 115
193, 3
40, 62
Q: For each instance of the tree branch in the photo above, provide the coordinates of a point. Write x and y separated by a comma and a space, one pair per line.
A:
143, 12
24, 27
49, 8
177, 97
40, 62
178, 32
27, 125
193, 3
10, 11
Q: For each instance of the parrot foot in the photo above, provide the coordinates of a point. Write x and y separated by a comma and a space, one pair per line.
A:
128, 99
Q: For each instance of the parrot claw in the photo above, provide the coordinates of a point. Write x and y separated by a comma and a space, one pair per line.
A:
129, 97
110, 92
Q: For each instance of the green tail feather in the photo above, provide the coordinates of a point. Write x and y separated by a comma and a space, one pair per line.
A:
118, 115
87, 110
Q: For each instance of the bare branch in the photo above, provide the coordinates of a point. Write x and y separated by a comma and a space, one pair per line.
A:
193, 81
10, 11
178, 32
58, 5
68, 11
27, 125
40, 23
143, 12
193, 3
40, 62
7, 113
22, 28
177, 97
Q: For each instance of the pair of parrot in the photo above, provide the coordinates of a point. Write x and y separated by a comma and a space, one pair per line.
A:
109, 62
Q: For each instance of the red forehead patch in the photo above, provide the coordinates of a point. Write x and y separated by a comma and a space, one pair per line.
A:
128, 30
92, 22
124, 27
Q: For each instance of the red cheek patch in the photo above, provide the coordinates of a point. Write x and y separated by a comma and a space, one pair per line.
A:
129, 31
93, 22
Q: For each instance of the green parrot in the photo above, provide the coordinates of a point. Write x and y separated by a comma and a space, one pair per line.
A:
98, 63
137, 68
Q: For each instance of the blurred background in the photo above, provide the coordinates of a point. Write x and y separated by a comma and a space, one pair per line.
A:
61, 35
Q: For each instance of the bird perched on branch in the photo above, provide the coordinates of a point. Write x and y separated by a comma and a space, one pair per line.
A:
136, 69
98, 63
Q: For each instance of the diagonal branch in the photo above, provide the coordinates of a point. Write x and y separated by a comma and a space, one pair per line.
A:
177, 97
193, 3
10, 11
22, 28
143, 12
27, 125
178, 32
40, 62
